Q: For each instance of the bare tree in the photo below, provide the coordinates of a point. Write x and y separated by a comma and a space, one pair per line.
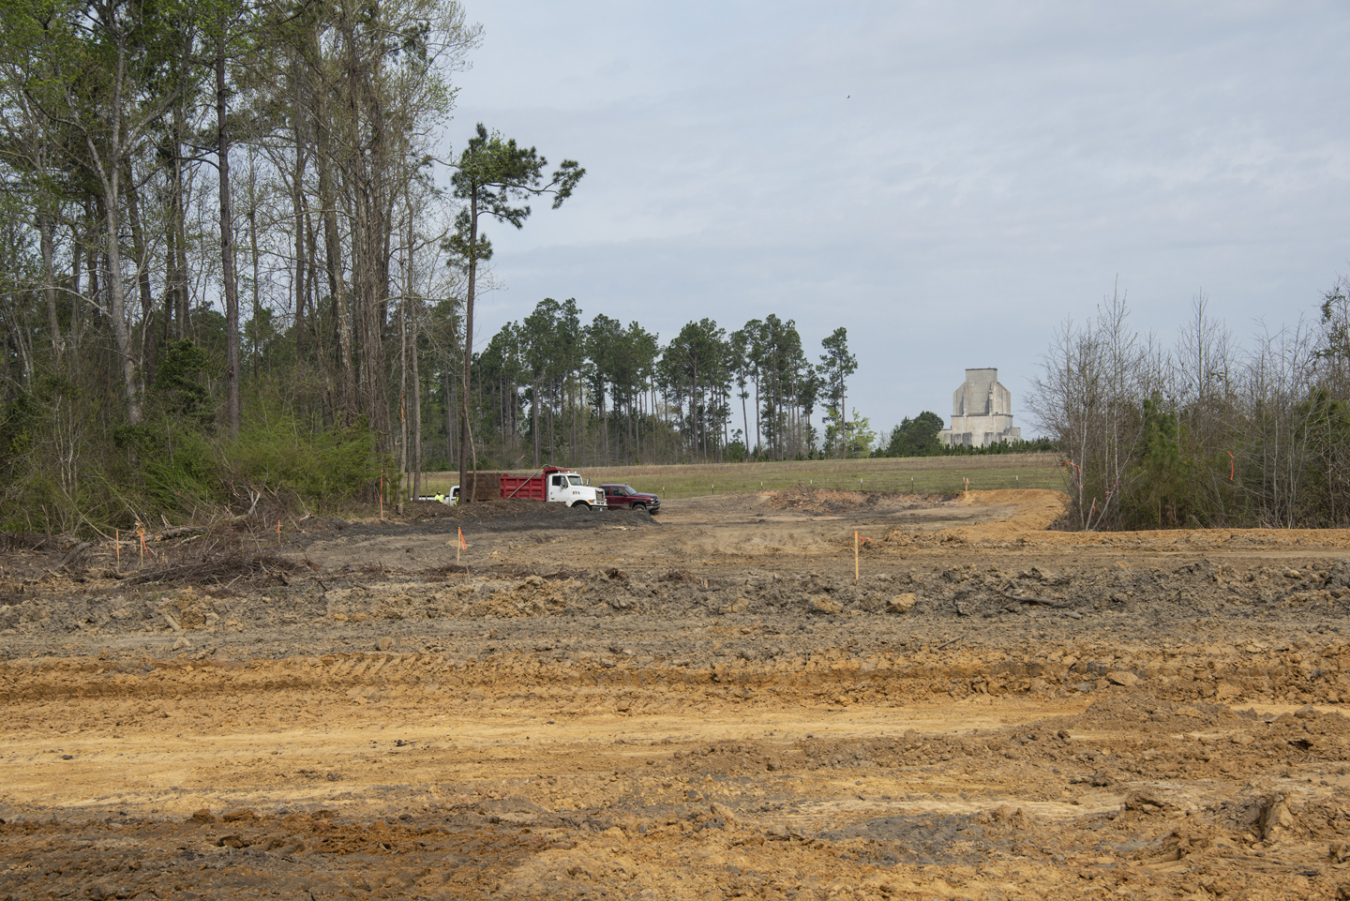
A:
1089, 397
1278, 376
1201, 390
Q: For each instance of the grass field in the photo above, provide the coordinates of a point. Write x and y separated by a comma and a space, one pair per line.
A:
924, 475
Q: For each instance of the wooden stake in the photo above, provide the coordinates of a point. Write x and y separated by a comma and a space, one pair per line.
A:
855, 557
117, 543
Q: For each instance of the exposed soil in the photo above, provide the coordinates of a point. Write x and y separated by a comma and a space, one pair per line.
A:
702, 704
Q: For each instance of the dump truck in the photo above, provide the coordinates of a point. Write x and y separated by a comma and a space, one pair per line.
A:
552, 483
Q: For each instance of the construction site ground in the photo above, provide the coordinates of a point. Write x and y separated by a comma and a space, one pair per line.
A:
789, 695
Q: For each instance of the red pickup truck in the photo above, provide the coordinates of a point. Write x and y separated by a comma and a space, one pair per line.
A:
624, 496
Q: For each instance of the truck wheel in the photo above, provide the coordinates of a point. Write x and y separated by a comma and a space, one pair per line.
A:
642, 507
582, 506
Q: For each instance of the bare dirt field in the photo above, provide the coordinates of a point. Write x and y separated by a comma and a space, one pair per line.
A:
702, 704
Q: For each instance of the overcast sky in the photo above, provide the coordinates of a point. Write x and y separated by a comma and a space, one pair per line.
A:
948, 180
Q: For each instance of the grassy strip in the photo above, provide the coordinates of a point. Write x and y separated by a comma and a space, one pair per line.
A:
924, 475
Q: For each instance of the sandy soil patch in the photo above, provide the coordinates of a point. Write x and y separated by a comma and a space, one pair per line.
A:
706, 703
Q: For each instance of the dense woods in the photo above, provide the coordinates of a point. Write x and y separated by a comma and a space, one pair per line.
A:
221, 247
238, 257
1205, 432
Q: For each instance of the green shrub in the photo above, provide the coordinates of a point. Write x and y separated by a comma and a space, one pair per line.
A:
172, 466
324, 466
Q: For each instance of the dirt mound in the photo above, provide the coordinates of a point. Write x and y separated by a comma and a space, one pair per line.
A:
831, 501
429, 518
479, 511
1018, 510
806, 499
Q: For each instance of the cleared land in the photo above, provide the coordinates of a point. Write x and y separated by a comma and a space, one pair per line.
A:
921, 475
704, 704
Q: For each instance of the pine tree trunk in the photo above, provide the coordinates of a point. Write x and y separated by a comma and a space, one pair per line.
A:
227, 245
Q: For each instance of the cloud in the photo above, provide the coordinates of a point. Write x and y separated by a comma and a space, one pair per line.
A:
948, 181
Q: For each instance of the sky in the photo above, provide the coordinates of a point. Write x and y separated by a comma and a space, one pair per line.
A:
950, 181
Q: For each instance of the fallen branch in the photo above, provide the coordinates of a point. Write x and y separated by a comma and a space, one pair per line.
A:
1028, 599
75, 554
180, 531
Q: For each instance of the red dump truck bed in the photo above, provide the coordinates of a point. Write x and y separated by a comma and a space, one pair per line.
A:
531, 487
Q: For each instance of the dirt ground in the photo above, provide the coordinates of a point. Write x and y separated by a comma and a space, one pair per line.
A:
703, 704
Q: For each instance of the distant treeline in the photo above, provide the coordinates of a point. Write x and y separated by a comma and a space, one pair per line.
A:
918, 437
552, 387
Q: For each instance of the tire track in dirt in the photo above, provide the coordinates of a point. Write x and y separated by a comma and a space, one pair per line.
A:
1256, 670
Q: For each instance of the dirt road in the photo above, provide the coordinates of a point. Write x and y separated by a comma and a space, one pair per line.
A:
704, 704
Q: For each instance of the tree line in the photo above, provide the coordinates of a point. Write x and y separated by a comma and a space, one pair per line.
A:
919, 436
1203, 432
552, 387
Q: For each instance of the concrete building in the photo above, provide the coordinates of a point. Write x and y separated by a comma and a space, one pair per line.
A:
981, 412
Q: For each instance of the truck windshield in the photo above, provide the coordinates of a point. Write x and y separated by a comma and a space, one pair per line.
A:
574, 480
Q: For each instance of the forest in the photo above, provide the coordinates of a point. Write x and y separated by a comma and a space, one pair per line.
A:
237, 259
